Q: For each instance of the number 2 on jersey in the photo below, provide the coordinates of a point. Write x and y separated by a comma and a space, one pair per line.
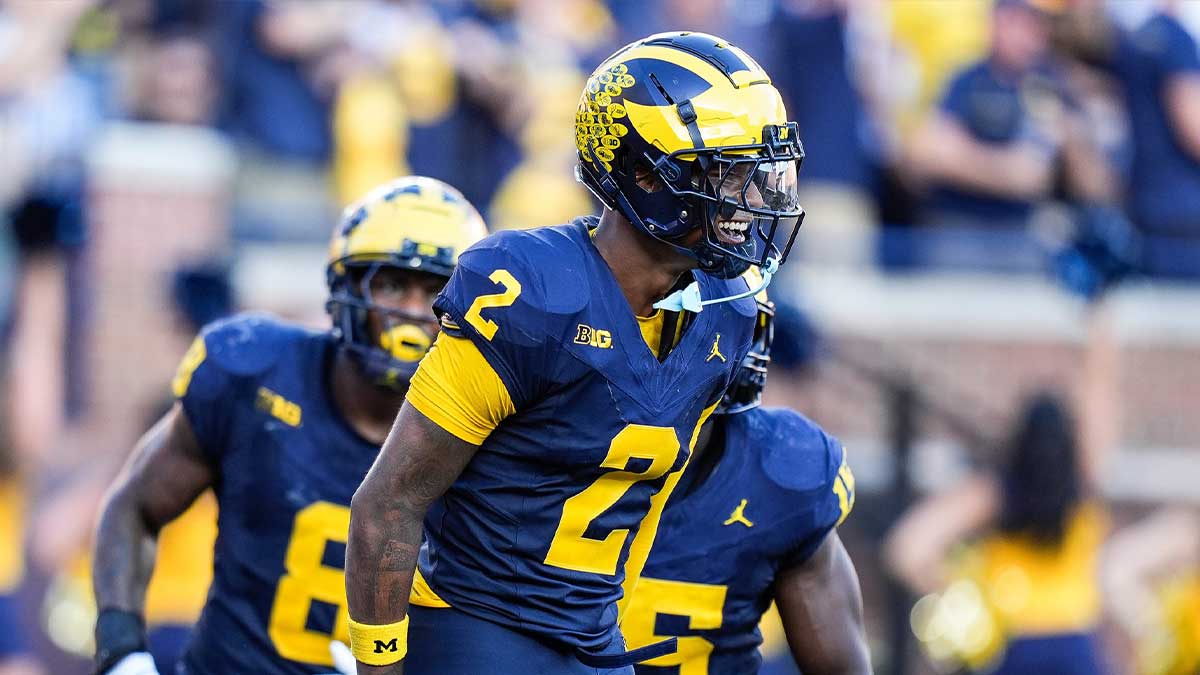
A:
309, 580
569, 548
512, 289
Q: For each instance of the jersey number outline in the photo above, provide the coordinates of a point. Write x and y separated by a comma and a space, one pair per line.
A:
192, 359
843, 487
570, 549
308, 580
702, 604
512, 290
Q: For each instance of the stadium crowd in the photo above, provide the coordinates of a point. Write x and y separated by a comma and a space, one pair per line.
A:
999, 136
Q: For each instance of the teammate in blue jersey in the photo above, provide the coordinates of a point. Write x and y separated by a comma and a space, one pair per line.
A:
282, 423
753, 521
544, 431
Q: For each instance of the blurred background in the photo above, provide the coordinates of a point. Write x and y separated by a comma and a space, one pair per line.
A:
994, 301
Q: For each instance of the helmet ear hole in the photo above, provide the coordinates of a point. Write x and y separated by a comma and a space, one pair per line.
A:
646, 179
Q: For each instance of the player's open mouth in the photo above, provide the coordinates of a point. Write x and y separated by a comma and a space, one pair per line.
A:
732, 231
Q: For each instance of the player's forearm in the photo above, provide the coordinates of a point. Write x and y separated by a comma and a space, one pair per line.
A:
381, 555
381, 560
123, 555
163, 477
820, 603
418, 462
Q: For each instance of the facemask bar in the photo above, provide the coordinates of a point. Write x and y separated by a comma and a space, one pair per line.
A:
776, 156
349, 304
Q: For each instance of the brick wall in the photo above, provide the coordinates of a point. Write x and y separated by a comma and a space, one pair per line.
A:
158, 198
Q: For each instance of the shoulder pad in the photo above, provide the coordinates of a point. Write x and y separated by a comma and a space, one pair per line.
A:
549, 267
249, 344
797, 454
547, 257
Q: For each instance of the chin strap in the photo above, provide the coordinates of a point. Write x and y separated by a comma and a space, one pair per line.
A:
689, 298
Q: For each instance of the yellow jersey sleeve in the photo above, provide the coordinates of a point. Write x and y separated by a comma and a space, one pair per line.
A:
459, 390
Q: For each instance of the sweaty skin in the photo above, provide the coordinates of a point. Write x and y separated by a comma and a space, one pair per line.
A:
418, 463
821, 606
165, 474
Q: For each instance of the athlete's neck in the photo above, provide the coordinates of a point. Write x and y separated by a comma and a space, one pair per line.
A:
368, 409
645, 269
710, 448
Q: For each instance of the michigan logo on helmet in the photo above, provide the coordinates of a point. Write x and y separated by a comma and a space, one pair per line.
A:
413, 223
682, 132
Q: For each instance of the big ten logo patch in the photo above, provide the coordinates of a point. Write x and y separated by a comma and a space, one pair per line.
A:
278, 407
594, 337
597, 129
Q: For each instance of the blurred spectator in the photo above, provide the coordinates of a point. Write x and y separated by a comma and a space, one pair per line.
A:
1026, 599
542, 189
810, 61
1158, 68
277, 60
931, 41
47, 114
1152, 580
1006, 138
989, 150
178, 85
464, 92
281, 63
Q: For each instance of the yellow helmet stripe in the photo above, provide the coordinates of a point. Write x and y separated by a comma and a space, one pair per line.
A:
753, 73
726, 116
423, 211
703, 68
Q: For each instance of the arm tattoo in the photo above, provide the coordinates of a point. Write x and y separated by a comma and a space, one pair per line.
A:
417, 464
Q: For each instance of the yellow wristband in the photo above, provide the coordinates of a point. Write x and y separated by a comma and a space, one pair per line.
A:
379, 645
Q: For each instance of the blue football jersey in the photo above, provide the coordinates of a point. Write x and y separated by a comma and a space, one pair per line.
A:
776, 492
255, 391
536, 532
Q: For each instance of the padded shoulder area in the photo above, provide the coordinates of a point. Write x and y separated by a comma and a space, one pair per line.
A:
250, 344
796, 454
548, 261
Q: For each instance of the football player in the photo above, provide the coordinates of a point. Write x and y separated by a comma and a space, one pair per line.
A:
282, 423
752, 521
544, 431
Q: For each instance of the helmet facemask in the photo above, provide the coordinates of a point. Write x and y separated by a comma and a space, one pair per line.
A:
389, 351
740, 198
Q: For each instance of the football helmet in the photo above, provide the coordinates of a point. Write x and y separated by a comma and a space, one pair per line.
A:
745, 392
684, 131
412, 223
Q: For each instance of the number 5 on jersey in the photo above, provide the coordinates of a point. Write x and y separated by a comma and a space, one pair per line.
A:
512, 289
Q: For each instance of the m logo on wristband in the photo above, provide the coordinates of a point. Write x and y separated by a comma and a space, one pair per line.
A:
379, 645
389, 646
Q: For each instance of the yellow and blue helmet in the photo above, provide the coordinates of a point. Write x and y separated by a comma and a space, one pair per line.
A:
703, 118
413, 223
